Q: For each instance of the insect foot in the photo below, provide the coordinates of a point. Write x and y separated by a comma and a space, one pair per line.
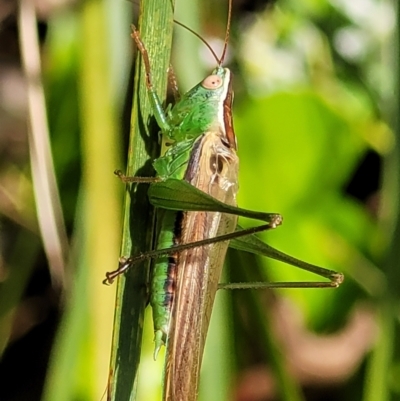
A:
276, 221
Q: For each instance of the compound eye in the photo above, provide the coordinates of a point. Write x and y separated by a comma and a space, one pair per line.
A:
212, 82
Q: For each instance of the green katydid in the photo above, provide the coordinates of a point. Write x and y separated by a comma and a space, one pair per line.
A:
195, 195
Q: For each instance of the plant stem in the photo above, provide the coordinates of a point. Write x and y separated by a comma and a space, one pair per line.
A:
155, 26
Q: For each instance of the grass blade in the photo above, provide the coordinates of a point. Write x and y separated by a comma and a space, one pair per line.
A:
155, 25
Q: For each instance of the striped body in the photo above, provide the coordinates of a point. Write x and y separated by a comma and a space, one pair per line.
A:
184, 284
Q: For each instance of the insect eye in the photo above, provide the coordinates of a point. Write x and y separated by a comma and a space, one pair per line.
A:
212, 82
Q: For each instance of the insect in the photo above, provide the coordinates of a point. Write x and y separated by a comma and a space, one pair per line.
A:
195, 196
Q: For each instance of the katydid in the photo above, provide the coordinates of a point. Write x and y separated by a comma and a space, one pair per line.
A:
195, 196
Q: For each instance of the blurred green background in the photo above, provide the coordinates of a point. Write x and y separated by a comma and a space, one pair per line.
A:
315, 113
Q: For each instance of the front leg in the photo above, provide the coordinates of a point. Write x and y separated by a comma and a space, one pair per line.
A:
156, 104
137, 180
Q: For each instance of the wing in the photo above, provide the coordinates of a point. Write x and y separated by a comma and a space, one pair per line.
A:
213, 168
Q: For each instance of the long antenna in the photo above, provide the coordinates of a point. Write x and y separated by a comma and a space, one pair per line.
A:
202, 39
227, 32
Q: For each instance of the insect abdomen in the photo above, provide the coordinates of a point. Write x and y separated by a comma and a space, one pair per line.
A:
164, 278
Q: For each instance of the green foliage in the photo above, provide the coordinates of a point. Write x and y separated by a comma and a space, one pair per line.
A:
313, 84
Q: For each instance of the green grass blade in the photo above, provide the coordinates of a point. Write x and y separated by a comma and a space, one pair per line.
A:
377, 382
80, 358
155, 25
381, 381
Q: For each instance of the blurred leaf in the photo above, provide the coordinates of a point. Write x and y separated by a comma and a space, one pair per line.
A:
89, 305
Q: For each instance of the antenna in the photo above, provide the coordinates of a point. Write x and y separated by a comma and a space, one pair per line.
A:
202, 39
227, 32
